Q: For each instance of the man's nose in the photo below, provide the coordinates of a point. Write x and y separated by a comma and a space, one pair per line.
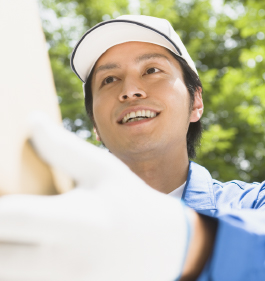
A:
131, 91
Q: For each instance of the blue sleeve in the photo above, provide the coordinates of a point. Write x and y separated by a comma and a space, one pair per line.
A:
239, 250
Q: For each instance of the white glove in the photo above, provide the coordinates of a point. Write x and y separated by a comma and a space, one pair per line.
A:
111, 227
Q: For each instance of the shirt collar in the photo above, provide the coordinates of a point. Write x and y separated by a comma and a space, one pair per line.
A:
198, 192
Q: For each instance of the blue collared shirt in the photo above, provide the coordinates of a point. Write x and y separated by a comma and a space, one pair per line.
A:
239, 250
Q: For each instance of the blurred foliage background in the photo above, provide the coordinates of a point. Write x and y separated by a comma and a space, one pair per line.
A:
226, 39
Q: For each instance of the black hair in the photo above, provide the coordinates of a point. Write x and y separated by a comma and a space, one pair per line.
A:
193, 84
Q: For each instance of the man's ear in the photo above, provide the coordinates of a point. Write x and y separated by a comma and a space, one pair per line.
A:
97, 135
197, 108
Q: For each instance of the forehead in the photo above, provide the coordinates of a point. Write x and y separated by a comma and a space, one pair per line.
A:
135, 46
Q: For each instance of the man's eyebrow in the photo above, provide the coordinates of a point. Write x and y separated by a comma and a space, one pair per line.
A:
143, 57
106, 66
150, 56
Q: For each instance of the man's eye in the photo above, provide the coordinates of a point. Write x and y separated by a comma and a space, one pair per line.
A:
152, 70
109, 80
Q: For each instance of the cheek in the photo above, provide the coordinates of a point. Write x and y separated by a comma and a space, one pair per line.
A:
102, 109
98, 110
176, 99
173, 93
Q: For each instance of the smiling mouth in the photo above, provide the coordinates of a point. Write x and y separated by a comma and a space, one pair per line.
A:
138, 115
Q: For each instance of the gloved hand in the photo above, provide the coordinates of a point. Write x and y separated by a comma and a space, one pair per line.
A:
112, 226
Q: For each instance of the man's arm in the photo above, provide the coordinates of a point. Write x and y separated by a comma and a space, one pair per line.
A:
111, 227
201, 245
128, 229
230, 247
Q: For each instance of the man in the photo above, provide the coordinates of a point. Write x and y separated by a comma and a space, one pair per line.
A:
144, 97
112, 226
93, 232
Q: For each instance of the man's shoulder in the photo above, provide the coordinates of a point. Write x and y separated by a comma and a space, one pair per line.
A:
201, 171
237, 183
235, 193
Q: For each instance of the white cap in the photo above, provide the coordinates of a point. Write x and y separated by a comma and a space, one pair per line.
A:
107, 34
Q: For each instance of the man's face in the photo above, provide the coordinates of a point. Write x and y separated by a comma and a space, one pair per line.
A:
140, 79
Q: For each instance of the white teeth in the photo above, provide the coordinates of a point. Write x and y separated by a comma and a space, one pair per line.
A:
147, 113
138, 115
132, 114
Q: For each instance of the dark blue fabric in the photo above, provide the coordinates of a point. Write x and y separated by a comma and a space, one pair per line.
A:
239, 250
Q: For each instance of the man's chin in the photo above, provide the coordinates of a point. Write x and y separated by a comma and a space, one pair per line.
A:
137, 150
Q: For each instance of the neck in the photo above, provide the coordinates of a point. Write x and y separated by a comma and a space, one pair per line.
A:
164, 172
